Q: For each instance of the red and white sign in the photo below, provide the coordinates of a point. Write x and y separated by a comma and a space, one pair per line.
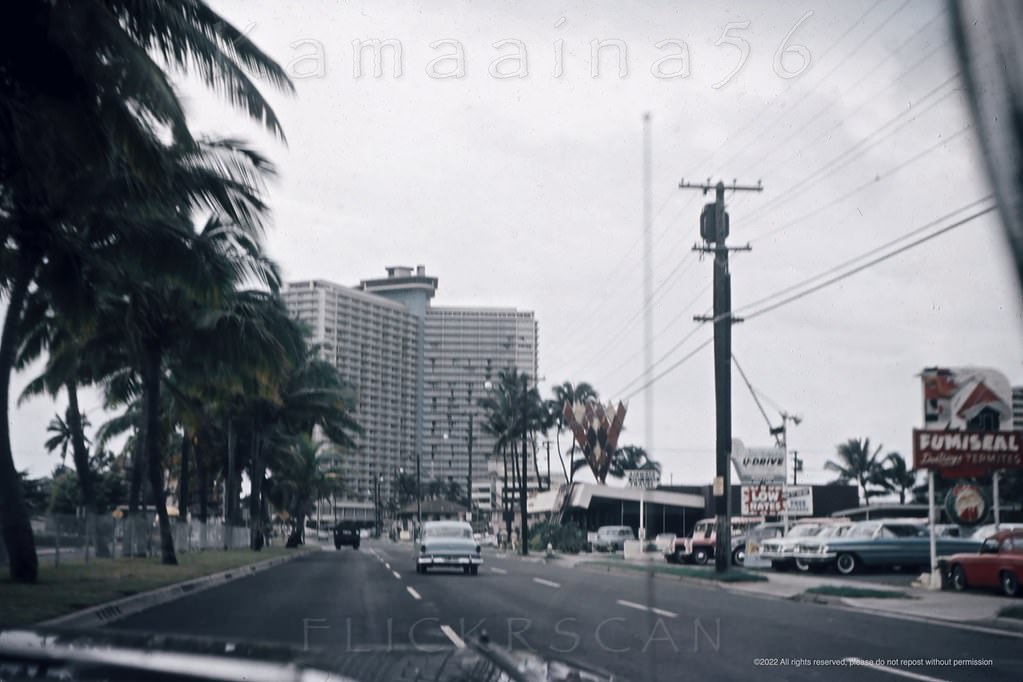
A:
960, 454
763, 500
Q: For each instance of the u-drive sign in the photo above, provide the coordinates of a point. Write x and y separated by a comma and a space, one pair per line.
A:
758, 465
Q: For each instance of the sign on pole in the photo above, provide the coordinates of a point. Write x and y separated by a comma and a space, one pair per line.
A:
758, 465
643, 478
799, 500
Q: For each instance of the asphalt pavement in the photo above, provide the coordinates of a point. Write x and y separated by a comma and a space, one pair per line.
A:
633, 626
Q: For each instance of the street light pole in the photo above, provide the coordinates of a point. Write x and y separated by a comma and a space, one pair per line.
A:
469, 477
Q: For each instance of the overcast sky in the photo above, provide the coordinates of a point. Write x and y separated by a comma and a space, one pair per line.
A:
527, 191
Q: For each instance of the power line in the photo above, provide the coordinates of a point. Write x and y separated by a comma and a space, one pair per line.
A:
670, 369
866, 254
871, 263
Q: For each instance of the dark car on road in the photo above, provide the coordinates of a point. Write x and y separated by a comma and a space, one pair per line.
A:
346, 536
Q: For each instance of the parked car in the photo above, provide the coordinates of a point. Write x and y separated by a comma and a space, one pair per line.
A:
986, 531
881, 543
448, 544
998, 563
813, 543
699, 547
664, 541
781, 551
346, 536
486, 539
611, 538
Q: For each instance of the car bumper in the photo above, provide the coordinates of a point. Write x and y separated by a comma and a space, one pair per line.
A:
449, 560
815, 557
778, 556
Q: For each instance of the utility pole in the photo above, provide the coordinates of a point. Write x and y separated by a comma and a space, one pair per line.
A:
469, 478
714, 231
797, 466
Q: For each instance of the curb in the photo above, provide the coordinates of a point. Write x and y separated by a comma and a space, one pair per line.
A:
110, 612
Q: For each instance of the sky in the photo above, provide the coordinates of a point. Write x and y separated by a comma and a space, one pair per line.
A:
508, 160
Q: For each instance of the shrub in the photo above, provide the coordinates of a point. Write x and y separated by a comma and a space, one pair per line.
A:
567, 538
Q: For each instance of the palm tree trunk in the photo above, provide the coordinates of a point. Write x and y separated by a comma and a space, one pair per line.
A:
255, 495
202, 468
151, 361
536, 465
183, 491
504, 494
138, 467
14, 521
557, 439
81, 457
522, 495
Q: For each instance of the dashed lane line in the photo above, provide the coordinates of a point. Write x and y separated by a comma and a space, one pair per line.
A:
396, 575
455, 639
495, 569
892, 671
548, 583
415, 595
642, 607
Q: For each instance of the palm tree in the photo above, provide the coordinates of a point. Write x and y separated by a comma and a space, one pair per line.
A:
83, 99
299, 481
894, 475
62, 434
857, 464
630, 457
567, 393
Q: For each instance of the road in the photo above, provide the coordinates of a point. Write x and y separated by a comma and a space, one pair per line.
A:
632, 626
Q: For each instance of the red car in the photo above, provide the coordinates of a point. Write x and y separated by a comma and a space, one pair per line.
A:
999, 563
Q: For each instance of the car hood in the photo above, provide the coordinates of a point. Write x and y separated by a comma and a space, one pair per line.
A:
101, 655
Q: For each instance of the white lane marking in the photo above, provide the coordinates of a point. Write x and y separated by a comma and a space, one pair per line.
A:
548, 583
396, 575
632, 605
931, 621
641, 607
455, 639
415, 595
892, 671
495, 569
387, 565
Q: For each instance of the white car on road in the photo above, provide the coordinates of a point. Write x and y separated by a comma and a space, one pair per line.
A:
448, 544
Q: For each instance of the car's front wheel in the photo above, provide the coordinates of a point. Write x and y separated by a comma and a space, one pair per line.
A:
1010, 583
739, 556
846, 563
958, 578
700, 556
802, 566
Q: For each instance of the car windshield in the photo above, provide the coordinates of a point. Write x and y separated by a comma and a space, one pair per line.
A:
805, 530
447, 532
349, 324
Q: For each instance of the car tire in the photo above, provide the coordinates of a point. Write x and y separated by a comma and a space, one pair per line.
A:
739, 556
466, 569
700, 556
802, 566
474, 570
958, 578
1009, 583
679, 556
846, 563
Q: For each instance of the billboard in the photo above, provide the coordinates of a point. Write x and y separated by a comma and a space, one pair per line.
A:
799, 500
761, 499
968, 425
758, 465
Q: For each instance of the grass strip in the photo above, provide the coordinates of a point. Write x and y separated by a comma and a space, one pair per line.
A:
857, 592
733, 575
79, 585
1011, 612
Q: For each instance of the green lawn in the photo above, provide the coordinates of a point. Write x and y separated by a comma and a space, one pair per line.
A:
734, 575
75, 586
857, 592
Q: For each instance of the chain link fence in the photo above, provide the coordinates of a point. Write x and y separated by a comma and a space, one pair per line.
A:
64, 538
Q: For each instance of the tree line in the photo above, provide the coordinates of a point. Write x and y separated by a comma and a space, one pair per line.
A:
133, 260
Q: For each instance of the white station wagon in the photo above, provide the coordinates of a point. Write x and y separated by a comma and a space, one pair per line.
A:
448, 544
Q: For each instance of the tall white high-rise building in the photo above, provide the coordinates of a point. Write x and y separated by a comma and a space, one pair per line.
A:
419, 372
